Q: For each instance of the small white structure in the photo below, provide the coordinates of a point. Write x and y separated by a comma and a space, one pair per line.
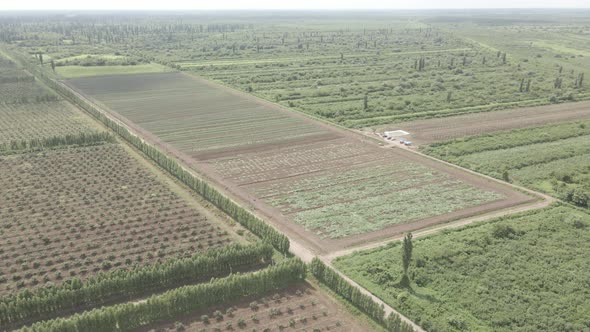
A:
395, 134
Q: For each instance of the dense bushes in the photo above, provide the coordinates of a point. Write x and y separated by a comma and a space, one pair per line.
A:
364, 302
48, 302
82, 139
180, 301
241, 215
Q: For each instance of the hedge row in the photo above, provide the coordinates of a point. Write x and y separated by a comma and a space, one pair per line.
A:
122, 285
178, 302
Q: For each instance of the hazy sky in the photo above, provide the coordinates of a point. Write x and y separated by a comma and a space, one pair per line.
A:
284, 4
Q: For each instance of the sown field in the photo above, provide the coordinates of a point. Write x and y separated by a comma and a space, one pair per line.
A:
79, 211
527, 272
42, 120
300, 307
72, 71
551, 158
315, 180
442, 129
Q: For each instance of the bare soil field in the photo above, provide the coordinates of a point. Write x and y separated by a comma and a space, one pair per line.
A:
324, 186
79, 211
443, 129
301, 308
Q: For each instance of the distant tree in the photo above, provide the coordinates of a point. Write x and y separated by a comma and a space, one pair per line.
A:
407, 248
506, 176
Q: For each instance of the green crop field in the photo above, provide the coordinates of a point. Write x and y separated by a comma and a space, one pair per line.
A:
522, 273
203, 118
551, 158
72, 71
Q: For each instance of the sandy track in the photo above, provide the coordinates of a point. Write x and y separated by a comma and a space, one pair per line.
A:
442, 129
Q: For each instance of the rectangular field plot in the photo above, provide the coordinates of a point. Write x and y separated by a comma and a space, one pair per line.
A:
41, 120
298, 308
328, 186
79, 211
192, 115
340, 199
553, 158
527, 272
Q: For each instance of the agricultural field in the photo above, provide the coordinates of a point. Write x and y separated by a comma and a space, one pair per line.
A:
442, 129
300, 307
74, 71
30, 121
526, 272
80, 211
361, 70
329, 186
553, 158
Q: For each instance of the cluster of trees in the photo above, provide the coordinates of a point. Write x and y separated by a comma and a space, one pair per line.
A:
28, 306
180, 301
365, 303
241, 215
579, 195
83, 139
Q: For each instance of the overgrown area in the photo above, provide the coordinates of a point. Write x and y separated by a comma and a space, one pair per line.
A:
519, 273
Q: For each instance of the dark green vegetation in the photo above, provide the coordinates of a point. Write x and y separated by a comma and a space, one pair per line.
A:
527, 272
554, 158
361, 70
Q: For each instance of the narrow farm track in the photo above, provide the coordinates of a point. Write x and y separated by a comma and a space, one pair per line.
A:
300, 248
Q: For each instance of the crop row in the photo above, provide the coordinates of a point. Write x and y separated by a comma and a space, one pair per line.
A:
106, 202
373, 213
23, 122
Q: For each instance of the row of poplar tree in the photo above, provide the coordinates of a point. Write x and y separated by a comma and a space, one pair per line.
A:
82, 139
365, 303
122, 285
178, 302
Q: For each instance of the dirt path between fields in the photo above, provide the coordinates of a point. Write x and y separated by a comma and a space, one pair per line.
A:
442, 129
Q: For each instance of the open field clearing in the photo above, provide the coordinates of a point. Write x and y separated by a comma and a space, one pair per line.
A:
42, 120
73, 71
553, 158
521, 273
330, 187
301, 307
76, 212
442, 129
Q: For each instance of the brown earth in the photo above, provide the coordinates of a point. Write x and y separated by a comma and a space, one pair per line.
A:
205, 165
303, 306
443, 129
